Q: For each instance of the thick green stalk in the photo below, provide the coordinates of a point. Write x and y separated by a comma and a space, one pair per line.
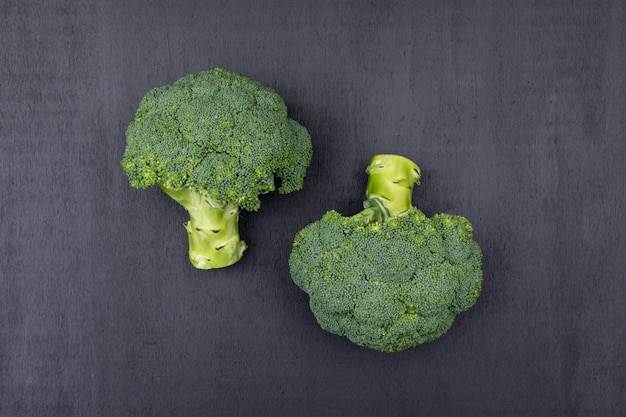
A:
390, 187
213, 229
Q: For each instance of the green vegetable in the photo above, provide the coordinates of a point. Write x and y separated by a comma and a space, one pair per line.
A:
389, 277
214, 141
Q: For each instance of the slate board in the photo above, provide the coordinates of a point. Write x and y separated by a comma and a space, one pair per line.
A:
515, 111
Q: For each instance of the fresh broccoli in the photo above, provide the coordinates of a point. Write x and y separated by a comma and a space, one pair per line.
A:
214, 141
389, 277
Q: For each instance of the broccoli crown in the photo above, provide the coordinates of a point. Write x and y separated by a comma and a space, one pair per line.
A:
391, 285
220, 132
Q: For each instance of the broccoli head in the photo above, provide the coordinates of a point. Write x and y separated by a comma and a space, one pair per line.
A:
214, 141
389, 277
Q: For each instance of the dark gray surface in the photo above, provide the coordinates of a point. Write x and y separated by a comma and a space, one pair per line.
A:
515, 111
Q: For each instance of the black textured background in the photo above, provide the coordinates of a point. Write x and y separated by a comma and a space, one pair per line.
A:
515, 111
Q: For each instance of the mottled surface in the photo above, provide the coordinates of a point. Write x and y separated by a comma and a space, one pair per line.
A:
515, 111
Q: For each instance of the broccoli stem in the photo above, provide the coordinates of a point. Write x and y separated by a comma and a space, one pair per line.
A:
213, 229
389, 188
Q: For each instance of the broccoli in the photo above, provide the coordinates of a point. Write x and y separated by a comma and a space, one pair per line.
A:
214, 141
389, 277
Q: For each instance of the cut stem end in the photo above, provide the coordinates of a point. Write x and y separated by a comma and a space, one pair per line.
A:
390, 184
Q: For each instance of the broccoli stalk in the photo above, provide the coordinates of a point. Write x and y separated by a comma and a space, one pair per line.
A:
389, 187
213, 228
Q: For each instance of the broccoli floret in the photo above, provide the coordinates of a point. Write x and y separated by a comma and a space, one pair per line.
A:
214, 141
389, 277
